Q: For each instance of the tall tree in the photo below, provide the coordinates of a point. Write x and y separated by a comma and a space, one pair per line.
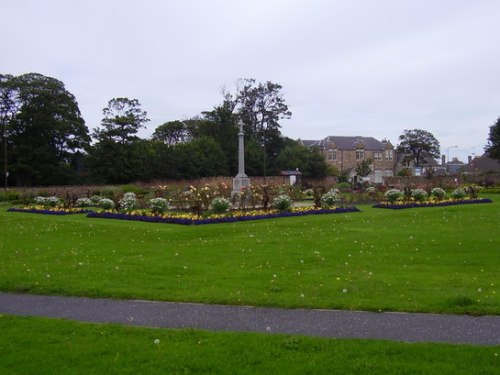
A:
171, 133
261, 106
117, 157
9, 106
418, 146
45, 130
493, 146
123, 118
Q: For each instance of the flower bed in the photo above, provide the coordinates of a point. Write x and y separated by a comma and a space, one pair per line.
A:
403, 205
49, 211
190, 219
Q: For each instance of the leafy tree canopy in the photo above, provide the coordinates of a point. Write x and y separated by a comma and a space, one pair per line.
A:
123, 118
418, 146
43, 129
493, 146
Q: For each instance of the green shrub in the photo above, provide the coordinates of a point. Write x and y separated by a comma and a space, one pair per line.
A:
83, 202
330, 198
419, 195
106, 204
458, 194
472, 191
219, 205
392, 195
282, 203
438, 193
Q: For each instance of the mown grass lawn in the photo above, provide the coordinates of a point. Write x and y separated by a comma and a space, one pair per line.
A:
47, 346
441, 259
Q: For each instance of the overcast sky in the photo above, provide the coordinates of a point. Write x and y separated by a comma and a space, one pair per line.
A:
347, 67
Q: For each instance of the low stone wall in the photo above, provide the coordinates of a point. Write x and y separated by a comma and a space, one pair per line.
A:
445, 182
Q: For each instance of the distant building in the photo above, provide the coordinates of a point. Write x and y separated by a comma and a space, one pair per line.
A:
483, 164
345, 153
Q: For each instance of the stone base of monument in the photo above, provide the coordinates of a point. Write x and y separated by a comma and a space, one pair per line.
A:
240, 182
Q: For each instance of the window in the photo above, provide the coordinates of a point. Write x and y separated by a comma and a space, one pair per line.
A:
389, 154
360, 154
377, 156
332, 155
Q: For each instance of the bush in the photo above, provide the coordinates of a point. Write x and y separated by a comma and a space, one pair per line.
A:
39, 200
106, 204
330, 199
282, 203
83, 202
458, 194
128, 202
219, 205
419, 195
438, 193
47, 202
392, 195
95, 199
158, 205
472, 191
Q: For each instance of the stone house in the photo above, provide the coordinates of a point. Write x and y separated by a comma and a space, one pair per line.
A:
345, 153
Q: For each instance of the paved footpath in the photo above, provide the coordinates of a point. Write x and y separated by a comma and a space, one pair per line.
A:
483, 330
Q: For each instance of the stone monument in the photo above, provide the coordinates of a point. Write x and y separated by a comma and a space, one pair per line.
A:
241, 180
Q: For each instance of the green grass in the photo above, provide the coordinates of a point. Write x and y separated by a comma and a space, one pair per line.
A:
442, 259
47, 346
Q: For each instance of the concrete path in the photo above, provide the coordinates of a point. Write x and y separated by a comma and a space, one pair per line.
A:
484, 330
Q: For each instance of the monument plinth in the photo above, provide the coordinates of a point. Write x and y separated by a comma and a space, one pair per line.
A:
241, 180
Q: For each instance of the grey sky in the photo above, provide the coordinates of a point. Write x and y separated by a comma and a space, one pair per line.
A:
347, 67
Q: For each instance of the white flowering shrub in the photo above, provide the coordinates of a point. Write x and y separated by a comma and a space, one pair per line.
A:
158, 205
39, 200
219, 205
83, 202
392, 195
128, 202
106, 204
330, 198
52, 202
419, 195
458, 194
282, 202
438, 193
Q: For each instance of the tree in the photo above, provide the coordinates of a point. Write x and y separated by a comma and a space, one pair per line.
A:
171, 133
123, 118
261, 107
9, 106
45, 130
418, 146
493, 147
364, 167
118, 156
309, 161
